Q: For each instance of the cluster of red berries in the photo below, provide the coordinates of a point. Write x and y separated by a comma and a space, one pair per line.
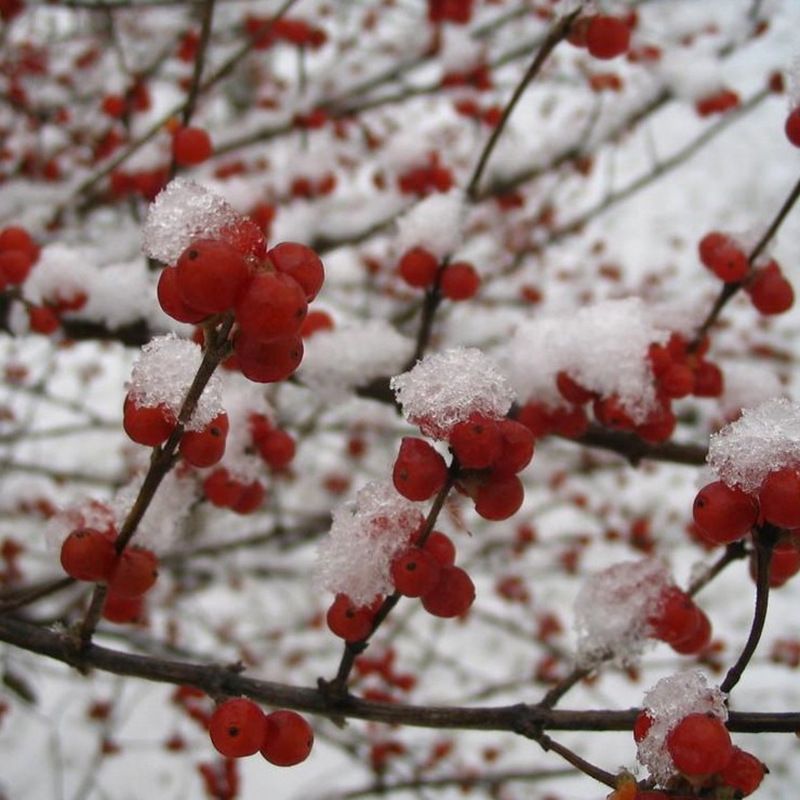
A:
90, 554
226, 490
703, 753
426, 178
18, 254
679, 622
490, 453
153, 425
420, 268
766, 285
238, 728
603, 36
425, 569
678, 371
268, 296
726, 514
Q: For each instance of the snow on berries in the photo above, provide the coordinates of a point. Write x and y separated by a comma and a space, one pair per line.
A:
161, 375
667, 704
434, 224
181, 214
366, 534
446, 388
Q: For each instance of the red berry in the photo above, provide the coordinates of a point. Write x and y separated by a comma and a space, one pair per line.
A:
135, 571
571, 390
267, 362
709, 245
121, 609
784, 564
88, 555
191, 146
476, 441
316, 321
744, 772
452, 595
676, 381
206, 447
288, 740
211, 275
697, 641
273, 305
348, 621
769, 291
459, 281
419, 471
607, 37
499, 497
700, 745
170, 300
779, 497
516, 448
43, 319
15, 265
147, 425
251, 498
708, 380
723, 513
441, 547
418, 267
676, 618
415, 572
301, 263
15, 237
728, 262
277, 448
238, 728
793, 127
221, 489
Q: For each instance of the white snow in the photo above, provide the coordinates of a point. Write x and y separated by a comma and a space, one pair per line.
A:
182, 212
336, 361
667, 703
163, 373
761, 441
445, 388
434, 223
366, 534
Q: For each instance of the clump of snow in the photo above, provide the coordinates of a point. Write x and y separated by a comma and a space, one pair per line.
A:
761, 441
446, 388
460, 51
434, 223
584, 344
613, 607
182, 212
667, 703
61, 272
691, 76
163, 521
356, 557
163, 373
339, 360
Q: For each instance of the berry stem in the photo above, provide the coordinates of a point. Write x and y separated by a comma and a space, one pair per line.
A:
337, 686
573, 758
558, 33
161, 462
764, 539
730, 289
